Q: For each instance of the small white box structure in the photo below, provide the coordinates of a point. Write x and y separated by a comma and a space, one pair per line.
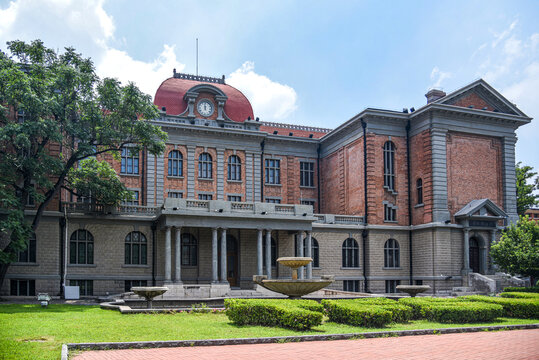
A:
71, 293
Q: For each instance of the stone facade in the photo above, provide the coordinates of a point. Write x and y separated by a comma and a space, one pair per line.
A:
441, 196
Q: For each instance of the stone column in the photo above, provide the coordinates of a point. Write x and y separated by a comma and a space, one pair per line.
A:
178, 256
259, 254
466, 251
299, 245
309, 254
268, 253
214, 262
223, 256
168, 255
492, 267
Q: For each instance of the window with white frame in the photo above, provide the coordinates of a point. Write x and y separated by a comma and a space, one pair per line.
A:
175, 163
130, 161
306, 170
273, 171
205, 166
134, 198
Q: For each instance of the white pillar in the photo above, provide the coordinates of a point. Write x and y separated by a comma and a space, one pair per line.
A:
214, 262
300, 254
466, 252
223, 256
268, 253
259, 253
168, 255
178, 256
309, 254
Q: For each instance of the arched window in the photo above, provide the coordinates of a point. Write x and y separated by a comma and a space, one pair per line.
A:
175, 163
419, 187
205, 166
350, 253
273, 252
391, 254
81, 247
389, 165
315, 254
136, 248
234, 168
189, 250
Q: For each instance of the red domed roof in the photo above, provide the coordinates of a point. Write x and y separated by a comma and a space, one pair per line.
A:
171, 92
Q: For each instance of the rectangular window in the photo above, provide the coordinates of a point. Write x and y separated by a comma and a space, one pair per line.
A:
273, 171
273, 201
134, 200
234, 198
132, 283
350, 285
391, 286
306, 174
419, 282
86, 287
28, 255
205, 197
175, 194
130, 161
23, 288
307, 202
390, 213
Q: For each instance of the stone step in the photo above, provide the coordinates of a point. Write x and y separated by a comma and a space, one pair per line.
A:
462, 289
467, 293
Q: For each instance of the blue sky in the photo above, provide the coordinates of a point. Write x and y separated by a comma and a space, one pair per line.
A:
305, 62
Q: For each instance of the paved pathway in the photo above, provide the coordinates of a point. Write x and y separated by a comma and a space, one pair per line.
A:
515, 344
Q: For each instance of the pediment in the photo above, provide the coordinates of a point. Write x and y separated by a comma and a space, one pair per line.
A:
482, 208
480, 95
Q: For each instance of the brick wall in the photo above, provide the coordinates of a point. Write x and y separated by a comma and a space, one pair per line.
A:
421, 168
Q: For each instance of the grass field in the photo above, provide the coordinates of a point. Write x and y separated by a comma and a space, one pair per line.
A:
31, 332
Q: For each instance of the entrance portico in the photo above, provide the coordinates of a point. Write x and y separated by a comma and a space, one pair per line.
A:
261, 221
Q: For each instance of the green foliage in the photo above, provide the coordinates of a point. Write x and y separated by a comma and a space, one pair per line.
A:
56, 112
418, 303
460, 312
517, 251
525, 192
283, 313
515, 308
534, 289
520, 295
357, 313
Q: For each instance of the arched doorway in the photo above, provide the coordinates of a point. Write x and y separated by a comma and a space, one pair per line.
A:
474, 255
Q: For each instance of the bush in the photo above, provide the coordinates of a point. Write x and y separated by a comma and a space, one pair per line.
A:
520, 295
418, 303
292, 314
533, 289
515, 308
461, 312
357, 314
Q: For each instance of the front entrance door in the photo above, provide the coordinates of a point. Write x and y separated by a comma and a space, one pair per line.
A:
474, 255
232, 260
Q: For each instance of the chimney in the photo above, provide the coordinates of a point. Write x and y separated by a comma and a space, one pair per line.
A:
434, 94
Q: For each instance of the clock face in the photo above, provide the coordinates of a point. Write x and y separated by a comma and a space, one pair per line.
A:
205, 108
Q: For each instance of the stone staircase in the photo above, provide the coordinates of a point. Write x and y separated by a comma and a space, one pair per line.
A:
466, 290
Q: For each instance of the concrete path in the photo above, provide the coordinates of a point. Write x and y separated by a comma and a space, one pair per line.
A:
503, 345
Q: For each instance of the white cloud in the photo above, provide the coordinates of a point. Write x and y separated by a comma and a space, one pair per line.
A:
271, 100
438, 76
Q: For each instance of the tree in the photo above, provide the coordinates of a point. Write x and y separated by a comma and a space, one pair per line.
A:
56, 116
525, 196
517, 251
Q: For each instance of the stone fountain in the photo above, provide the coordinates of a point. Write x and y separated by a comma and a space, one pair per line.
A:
149, 292
413, 290
294, 288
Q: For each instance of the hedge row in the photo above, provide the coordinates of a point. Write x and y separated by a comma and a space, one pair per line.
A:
515, 308
417, 303
357, 314
520, 295
283, 313
533, 289
461, 312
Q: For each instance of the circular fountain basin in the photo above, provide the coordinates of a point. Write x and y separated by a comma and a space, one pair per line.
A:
294, 262
149, 292
295, 288
413, 290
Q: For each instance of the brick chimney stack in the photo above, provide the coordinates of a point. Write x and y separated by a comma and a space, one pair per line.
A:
434, 94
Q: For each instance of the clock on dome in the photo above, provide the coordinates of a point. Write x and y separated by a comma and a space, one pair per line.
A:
205, 108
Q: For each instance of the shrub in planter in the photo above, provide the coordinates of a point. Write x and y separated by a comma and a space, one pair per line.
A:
461, 312
283, 313
357, 314
520, 295
533, 289
515, 308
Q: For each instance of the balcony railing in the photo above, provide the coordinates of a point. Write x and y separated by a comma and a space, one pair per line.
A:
92, 208
339, 219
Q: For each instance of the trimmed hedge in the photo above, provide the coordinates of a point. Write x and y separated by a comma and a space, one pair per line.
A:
533, 289
515, 308
417, 303
357, 313
520, 295
461, 312
292, 314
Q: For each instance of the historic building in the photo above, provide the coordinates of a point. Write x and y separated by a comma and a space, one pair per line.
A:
386, 198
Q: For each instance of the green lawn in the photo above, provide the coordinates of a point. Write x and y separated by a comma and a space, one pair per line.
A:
31, 332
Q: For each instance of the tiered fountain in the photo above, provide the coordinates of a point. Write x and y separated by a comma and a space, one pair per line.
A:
294, 288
